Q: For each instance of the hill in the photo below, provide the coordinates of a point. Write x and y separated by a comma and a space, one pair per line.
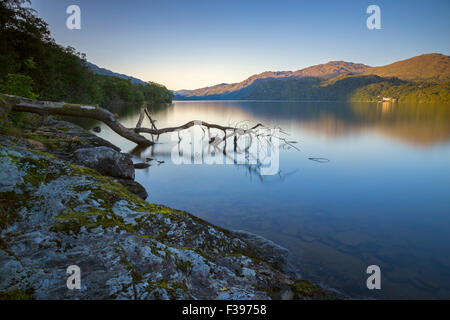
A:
427, 66
240, 89
424, 78
105, 72
313, 88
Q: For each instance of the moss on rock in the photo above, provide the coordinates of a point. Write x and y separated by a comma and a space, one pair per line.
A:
16, 295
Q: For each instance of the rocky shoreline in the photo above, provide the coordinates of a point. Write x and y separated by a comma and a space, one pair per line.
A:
68, 197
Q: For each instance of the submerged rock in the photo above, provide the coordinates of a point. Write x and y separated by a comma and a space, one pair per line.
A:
141, 165
268, 250
106, 160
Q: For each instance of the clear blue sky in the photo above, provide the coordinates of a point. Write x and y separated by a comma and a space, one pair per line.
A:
190, 44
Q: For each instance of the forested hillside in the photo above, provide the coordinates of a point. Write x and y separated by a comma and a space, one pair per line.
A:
352, 88
33, 65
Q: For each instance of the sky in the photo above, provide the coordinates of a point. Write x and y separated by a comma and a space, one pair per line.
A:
187, 44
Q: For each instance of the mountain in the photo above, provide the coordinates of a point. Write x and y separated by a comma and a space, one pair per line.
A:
336, 80
331, 70
105, 72
239, 90
423, 67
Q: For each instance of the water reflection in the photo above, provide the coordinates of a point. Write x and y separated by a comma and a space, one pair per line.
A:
382, 198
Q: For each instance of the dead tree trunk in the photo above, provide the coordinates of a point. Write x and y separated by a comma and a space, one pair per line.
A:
46, 108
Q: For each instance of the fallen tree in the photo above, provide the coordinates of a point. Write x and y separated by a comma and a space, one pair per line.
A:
46, 108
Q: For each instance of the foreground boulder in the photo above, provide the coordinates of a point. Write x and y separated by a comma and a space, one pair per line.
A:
106, 160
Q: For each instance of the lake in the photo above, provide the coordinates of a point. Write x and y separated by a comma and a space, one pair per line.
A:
381, 197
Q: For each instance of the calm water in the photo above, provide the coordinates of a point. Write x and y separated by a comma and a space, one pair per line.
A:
383, 198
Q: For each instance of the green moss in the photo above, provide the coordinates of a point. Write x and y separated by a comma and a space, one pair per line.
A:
17, 295
145, 237
185, 266
183, 248
36, 169
173, 287
108, 190
236, 254
304, 289
115, 192
272, 291
161, 284
44, 154
68, 227
71, 222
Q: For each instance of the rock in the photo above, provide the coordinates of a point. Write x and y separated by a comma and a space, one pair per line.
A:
273, 253
106, 161
125, 247
62, 138
134, 187
141, 165
54, 214
97, 129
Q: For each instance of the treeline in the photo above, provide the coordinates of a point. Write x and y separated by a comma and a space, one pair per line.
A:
413, 92
312, 88
107, 90
33, 65
351, 88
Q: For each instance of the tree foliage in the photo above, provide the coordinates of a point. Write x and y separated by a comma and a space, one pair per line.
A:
415, 92
32, 64
353, 88
19, 85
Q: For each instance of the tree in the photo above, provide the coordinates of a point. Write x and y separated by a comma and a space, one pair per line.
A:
18, 84
33, 65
